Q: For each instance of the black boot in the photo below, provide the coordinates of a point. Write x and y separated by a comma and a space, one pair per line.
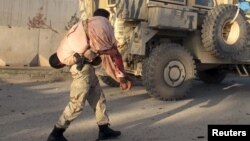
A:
57, 135
106, 133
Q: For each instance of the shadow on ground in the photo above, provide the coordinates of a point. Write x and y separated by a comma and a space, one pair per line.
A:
29, 111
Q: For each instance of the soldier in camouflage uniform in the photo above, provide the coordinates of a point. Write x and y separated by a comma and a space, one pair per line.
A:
85, 85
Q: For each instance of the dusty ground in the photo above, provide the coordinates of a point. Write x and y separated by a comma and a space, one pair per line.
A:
28, 111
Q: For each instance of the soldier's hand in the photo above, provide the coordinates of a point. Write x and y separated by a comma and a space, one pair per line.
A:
80, 61
125, 83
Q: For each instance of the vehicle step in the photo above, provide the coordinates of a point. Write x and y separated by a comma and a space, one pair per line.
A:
243, 70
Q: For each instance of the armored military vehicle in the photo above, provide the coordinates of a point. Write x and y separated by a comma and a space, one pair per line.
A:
170, 43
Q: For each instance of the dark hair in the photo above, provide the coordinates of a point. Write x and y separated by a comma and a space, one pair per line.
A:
102, 12
55, 62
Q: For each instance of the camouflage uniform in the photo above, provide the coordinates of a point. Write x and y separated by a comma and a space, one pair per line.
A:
85, 86
86, 8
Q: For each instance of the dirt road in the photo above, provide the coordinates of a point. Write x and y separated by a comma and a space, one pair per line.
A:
28, 111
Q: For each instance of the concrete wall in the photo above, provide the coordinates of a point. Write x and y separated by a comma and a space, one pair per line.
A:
31, 30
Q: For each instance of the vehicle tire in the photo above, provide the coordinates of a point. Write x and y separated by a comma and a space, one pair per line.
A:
109, 81
222, 38
145, 75
212, 76
171, 72
144, 71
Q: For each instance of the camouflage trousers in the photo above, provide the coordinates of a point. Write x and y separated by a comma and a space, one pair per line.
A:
85, 86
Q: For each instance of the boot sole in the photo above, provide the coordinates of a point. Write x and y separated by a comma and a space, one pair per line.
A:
107, 138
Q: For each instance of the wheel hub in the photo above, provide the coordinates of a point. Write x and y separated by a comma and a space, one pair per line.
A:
174, 73
231, 32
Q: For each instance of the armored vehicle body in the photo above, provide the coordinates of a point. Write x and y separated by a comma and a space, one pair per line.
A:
170, 43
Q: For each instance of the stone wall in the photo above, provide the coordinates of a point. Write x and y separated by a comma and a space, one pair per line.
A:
31, 30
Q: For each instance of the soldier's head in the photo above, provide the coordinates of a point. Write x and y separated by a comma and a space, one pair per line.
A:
102, 12
55, 62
